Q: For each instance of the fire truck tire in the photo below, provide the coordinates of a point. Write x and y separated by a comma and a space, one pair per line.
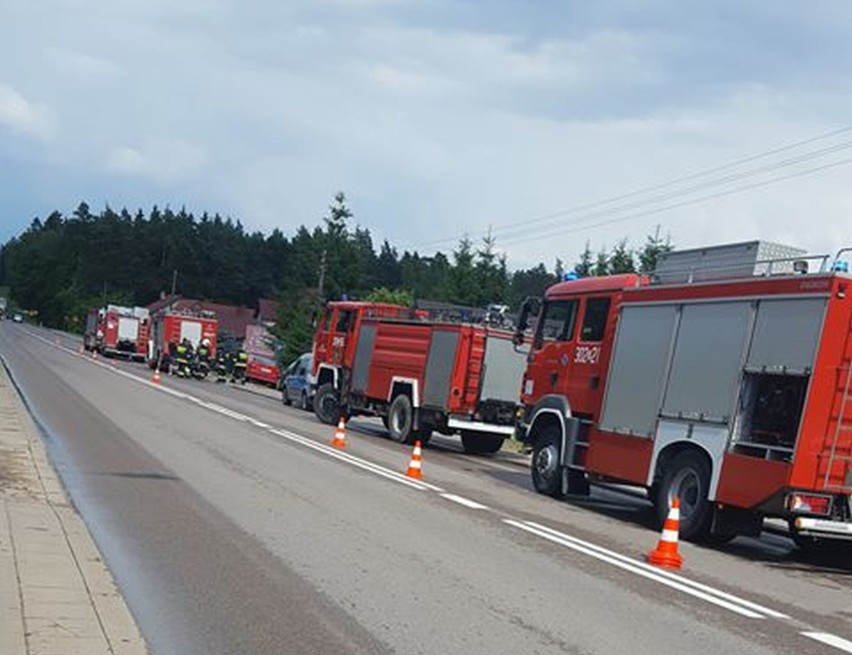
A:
327, 405
481, 443
688, 477
401, 419
546, 471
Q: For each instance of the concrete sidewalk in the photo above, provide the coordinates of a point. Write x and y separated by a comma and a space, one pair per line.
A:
56, 594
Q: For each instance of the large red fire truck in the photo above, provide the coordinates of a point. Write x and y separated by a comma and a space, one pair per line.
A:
170, 326
118, 331
418, 375
727, 384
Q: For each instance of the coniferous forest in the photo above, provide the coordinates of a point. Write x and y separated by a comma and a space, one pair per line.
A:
64, 264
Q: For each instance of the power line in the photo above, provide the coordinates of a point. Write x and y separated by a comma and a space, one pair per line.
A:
683, 203
716, 182
647, 189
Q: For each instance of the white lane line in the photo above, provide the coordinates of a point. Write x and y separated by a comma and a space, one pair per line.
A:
344, 455
354, 461
830, 640
695, 589
461, 500
663, 573
632, 567
326, 450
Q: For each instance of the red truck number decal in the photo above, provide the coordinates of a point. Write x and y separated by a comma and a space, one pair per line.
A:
587, 354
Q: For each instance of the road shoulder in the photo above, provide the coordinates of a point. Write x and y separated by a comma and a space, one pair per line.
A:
56, 593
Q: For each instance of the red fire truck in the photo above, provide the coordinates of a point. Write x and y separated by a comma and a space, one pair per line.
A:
173, 327
418, 375
729, 386
118, 331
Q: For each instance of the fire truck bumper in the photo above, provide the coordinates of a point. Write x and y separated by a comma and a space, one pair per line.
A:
812, 527
477, 426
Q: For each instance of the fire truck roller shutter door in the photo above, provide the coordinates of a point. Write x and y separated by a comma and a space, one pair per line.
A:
190, 330
363, 358
504, 369
128, 328
707, 361
638, 370
785, 335
439, 368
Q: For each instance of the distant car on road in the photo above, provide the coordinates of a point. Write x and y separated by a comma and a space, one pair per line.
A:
297, 383
17, 318
263, 369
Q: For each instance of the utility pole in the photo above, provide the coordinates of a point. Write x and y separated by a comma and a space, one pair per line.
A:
322, 272
174, 281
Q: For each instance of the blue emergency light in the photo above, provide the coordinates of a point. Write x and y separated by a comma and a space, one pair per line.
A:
840, 266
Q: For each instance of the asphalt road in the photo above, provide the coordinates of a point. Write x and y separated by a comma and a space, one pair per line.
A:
233, 528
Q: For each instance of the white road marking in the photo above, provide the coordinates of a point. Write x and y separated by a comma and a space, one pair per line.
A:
663, 573
695, 589
354, 461
326, 450
461, 500
830, 640
634, 567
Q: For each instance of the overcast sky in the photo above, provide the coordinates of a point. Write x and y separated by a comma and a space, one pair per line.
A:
437, 117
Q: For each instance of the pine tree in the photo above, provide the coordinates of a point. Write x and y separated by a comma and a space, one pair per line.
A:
621, 259
653, 248
601, 263
583, 268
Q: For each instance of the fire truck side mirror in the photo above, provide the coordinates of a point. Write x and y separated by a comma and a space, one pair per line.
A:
527, 307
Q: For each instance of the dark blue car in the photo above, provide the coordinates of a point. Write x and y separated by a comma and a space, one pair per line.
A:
297, 384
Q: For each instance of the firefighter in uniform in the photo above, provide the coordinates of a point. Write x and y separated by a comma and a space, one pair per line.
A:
240, 364
222, 365
182, 359
202, 357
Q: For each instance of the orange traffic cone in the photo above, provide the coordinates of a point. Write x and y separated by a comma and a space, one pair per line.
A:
339, 440
666, 554
156, 378
415, 466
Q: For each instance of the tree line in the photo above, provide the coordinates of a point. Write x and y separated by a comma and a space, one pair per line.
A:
64, 264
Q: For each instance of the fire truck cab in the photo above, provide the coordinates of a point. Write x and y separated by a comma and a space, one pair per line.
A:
731, 389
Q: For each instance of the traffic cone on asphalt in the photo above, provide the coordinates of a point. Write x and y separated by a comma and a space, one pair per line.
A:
339, 440
156, 378
415, 466
666, 554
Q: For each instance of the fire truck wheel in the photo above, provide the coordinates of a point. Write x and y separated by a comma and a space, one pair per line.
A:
400, 420
687, 476
326, 405
481, 442
546, 472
